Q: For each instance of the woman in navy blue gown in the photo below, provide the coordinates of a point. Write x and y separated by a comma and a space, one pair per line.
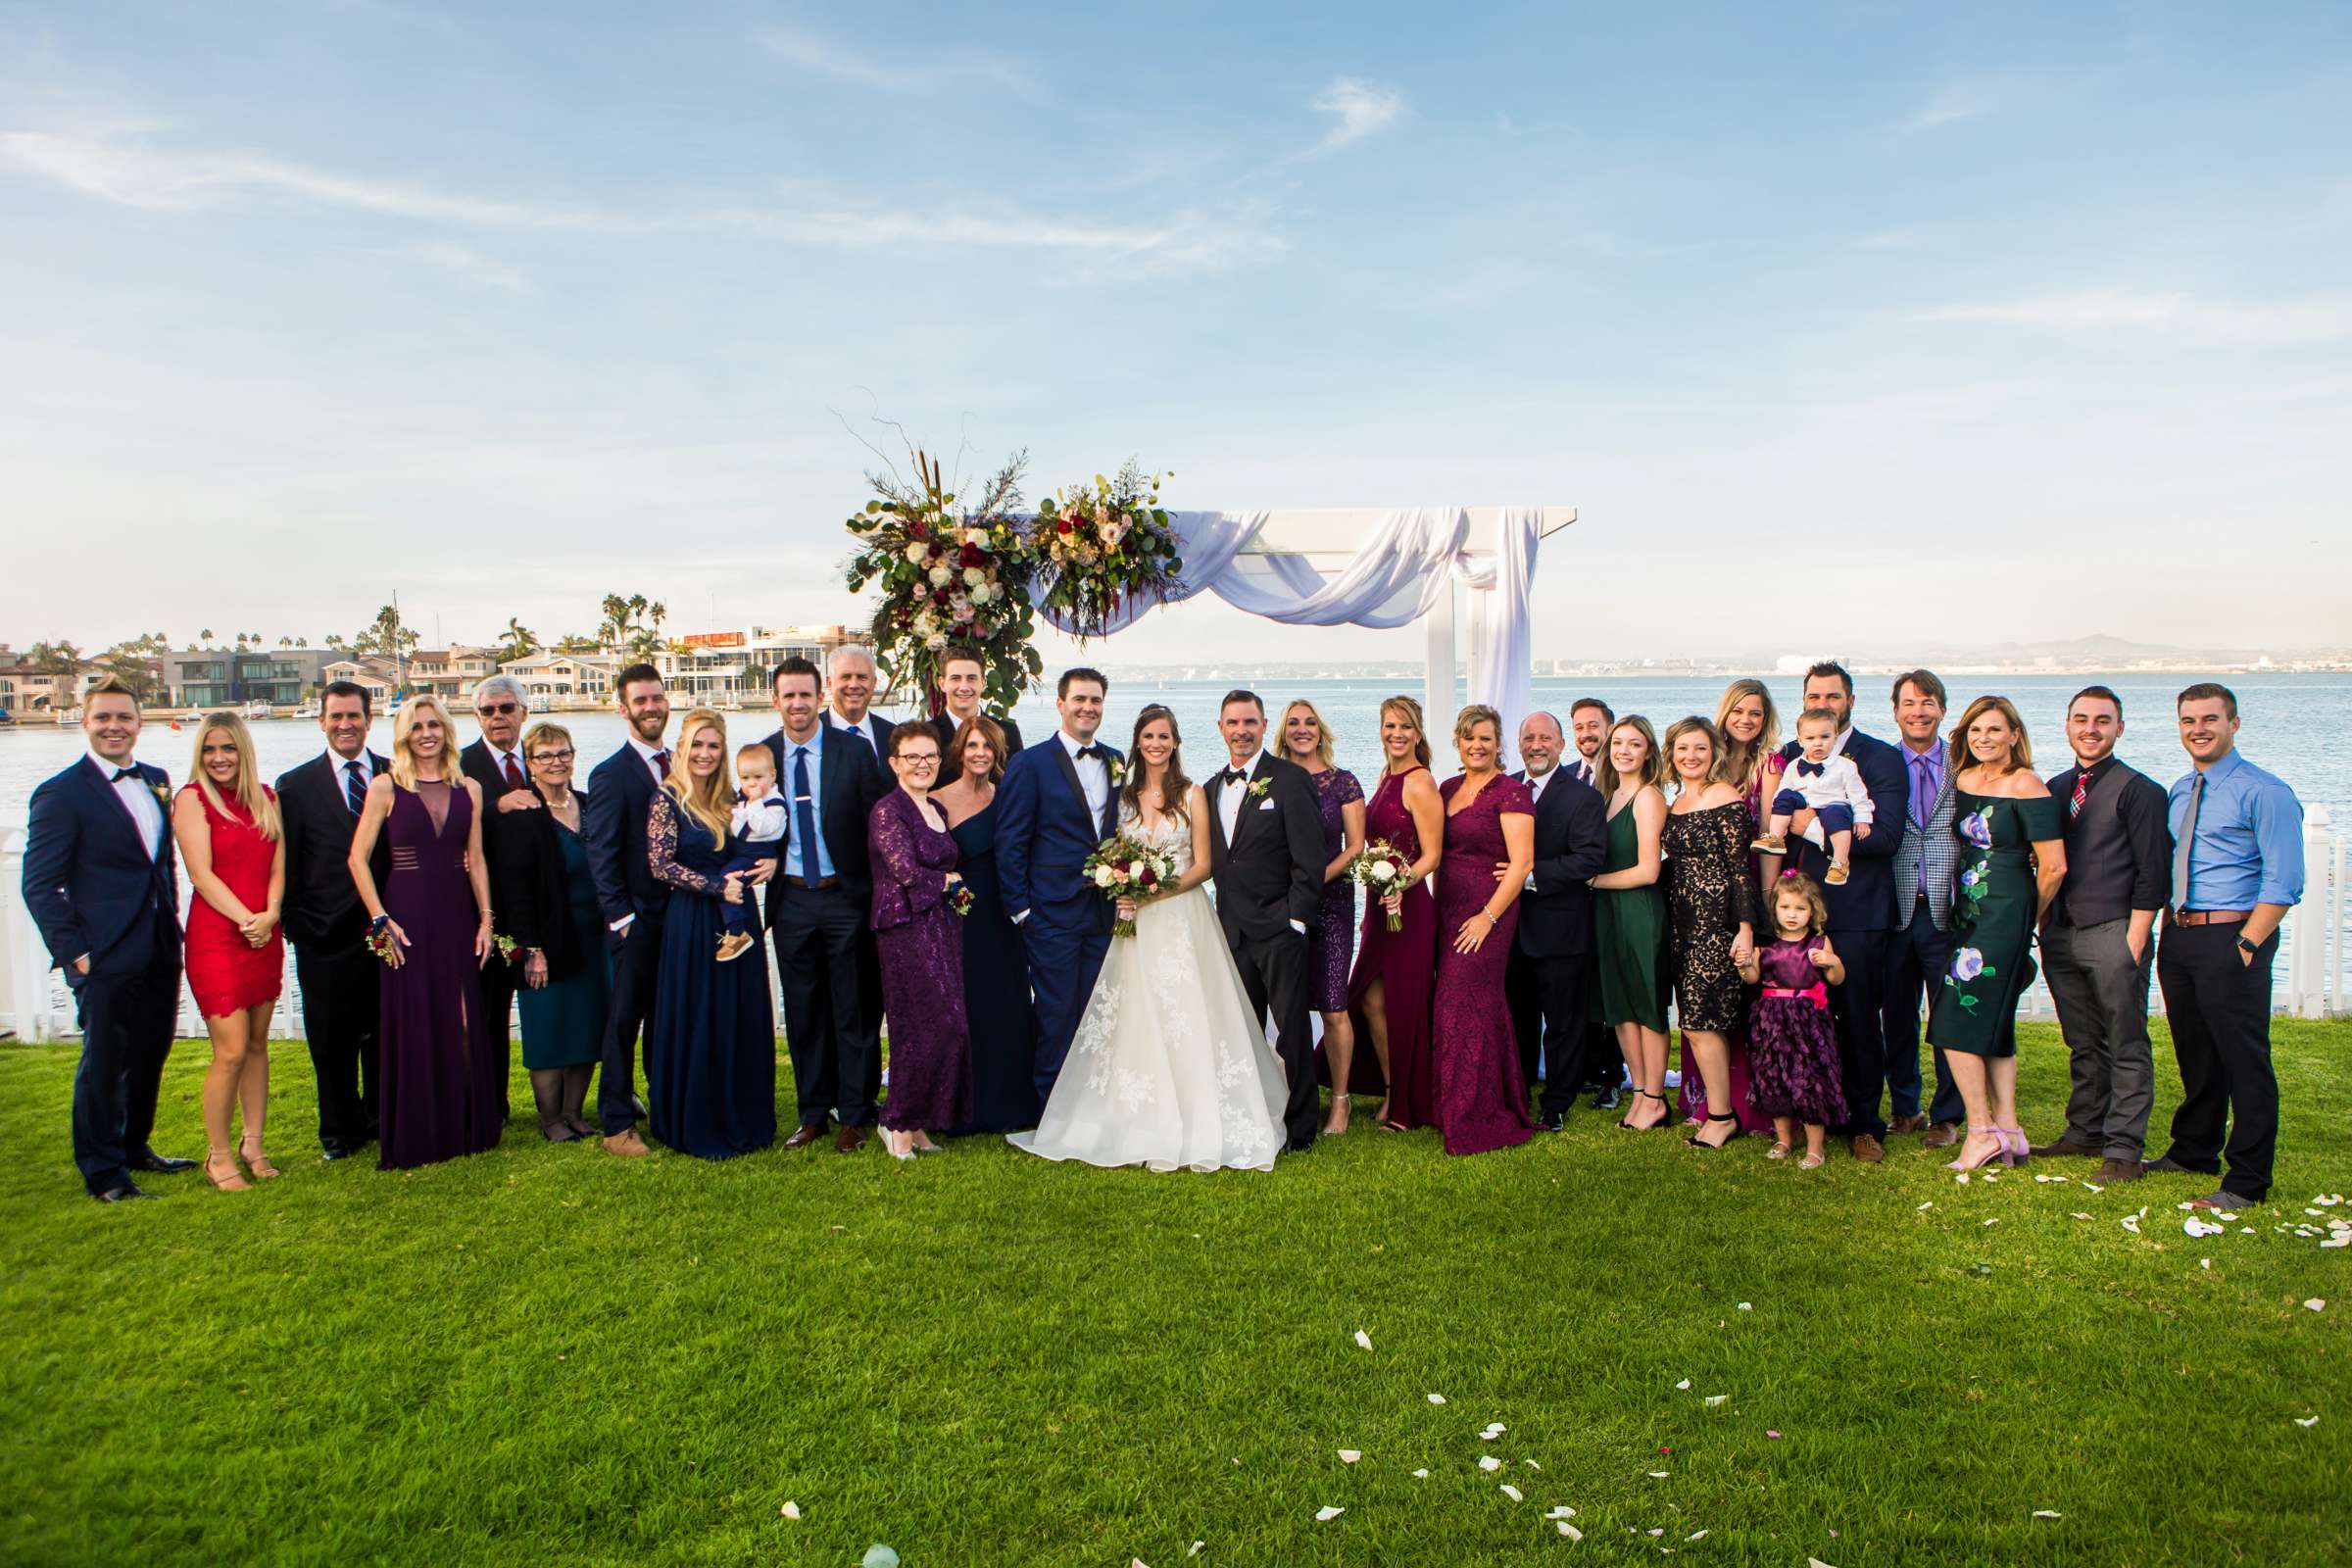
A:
996, 970
711, 1045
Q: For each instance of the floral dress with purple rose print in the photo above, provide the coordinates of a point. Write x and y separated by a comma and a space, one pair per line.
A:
1994, 909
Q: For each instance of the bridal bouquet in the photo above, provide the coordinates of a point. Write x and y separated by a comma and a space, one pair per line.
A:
1129, 868
1383, 867
1102, 547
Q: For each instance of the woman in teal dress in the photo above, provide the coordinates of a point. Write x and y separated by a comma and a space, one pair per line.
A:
545, 902
2012, 859
1629, 916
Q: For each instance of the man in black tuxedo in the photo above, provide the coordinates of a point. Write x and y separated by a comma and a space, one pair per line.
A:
963, 683
1588, 723
1862, 911
817, 909
320, 801
1265, 839
100, 881
494, 763
1545, 978
632, 899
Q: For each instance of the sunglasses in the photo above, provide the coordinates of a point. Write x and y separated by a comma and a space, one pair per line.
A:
499, 709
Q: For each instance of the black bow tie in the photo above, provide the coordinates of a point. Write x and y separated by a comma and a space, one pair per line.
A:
1812, 769
1097, 751
122, 774
1233, 775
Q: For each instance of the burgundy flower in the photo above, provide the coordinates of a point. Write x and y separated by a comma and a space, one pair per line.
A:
971, 556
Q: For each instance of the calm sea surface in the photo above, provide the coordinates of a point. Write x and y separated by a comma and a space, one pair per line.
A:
2298, 726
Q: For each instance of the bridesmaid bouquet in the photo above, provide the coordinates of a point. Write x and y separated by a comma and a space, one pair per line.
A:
1382, 867
1128, 868
960, 898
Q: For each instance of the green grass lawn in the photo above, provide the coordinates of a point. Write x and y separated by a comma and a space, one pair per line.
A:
545, 1355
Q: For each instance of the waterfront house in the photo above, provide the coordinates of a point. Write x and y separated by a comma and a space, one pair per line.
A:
563, 680
451, 672
374, 674
220, 677
730, 669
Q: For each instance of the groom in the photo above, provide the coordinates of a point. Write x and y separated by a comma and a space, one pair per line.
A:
1265, 838
1057, 803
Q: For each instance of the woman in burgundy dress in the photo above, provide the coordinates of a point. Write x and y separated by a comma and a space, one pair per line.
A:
438, 1085
922, 952
1490, 822
1389, 994
1306, 740
233, 845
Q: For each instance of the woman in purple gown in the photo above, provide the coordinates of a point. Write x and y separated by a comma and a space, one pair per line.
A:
1489, 823
921, 950
1306, 740
1388, 995
437, 1086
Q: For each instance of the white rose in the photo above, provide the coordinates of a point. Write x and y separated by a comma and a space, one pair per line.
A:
936, 640
982, 594
973, 577
1383, 871
1104, 876
939, 575
975, 536
1135, 871
915, 553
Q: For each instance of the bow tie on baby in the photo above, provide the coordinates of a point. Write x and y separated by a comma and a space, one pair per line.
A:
1811, 769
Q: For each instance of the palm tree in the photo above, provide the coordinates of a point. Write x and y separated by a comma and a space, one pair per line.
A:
520, 639
204, 637
62, 661
575, 643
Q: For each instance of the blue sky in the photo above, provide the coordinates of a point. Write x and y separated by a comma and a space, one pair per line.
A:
1837, 324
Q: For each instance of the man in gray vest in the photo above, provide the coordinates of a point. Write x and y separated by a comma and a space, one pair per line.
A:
2098, 937
1921, 950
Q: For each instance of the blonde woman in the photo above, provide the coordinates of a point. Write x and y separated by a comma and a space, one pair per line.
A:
1339, 799
1748, 728
232, 842
1629, 915
711, 1045
438, 1091
1389, 994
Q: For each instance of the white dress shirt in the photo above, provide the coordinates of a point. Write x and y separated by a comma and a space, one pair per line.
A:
865, 726
498, 762
1534, 789
649, 752
1232, 793
1585, 769
138, 798
1093, 774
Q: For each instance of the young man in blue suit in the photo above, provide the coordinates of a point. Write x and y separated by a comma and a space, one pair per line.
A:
1059, 800
632, 899
1862, 911
99, 879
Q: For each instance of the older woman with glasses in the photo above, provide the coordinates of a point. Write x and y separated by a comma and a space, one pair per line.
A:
543, 891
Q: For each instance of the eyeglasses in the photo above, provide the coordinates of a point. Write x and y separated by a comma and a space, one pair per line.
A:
502, 710
563, 755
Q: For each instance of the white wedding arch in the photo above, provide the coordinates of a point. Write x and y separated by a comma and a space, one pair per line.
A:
1385, 568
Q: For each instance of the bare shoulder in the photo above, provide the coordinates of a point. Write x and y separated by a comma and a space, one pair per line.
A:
1420, 785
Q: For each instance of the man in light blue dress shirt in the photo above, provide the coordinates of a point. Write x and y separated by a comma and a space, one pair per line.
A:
2237, 868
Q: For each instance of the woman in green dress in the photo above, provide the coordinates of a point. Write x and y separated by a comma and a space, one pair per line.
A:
1629, 916
2012, 859
545, 901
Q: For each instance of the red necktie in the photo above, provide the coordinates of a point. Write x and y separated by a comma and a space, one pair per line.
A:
2082, 789
514, 779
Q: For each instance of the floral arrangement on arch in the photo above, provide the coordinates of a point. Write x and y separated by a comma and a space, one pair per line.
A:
948, 575
1104, 547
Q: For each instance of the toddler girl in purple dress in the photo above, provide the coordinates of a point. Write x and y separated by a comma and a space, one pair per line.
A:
1792, 1048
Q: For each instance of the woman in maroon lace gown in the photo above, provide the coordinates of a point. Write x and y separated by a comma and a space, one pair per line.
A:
1339, 799
437, 1095
1490, 822
1389, 992
921, 950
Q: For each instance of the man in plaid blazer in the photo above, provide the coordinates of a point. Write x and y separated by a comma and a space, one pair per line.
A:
1925, 863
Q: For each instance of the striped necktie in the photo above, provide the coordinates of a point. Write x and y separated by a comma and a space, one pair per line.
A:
355, 788
2074, 808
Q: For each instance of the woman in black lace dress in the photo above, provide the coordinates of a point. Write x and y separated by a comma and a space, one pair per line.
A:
1713, 907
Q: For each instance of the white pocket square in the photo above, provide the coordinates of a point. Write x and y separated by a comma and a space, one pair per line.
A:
1265, 806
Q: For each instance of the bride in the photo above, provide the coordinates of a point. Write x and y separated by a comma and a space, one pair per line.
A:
1168, 1068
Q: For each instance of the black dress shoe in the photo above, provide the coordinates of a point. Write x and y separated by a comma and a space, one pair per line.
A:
1609, 1098
159, 1165
334, 1151
115, 1195
1298, 1145
1554, 1121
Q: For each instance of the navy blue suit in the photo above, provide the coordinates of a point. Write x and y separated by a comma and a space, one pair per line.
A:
95, 891
1863, 920
620, 796
824, 938
1044, 835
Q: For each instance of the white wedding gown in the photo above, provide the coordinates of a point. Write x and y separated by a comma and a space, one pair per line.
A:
1168, 1068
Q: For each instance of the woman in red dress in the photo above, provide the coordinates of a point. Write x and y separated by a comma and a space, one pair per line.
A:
1389, 994
232, 843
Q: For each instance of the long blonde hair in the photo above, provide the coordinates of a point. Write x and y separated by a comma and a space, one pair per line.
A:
1322, 730
1410, 712
1653, 766
404, 763
708, 801
259, 805
1745, 770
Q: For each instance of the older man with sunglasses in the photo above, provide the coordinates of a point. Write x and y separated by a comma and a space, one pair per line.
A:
495, 763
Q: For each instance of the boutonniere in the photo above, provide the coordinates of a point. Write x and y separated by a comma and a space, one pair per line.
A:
163, 793
1258, 791
1118, 773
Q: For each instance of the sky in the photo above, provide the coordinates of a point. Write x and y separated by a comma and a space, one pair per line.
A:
1838, 324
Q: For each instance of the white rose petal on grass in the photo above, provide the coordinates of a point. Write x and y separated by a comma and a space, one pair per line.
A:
1324, 1516
1684, 1384
1569, 1530
2130, 1222
1420, 1474
790, 1510
1561, 1511
1363, 1341
1530, 1464
2078, 1215
1697, 1534
2307, 1420
2086, 1187
1661, 1529
1995, 1220
1351, 1455
878, 1555
1488, 1462
1746, 1306
1962, 1178
2204, 1262
1196, 1552
2316, 1305
2047, 1513
1657, 1475
1512, 1492
1714, 1399
1436, 1399
1923, 1207
1815, 1562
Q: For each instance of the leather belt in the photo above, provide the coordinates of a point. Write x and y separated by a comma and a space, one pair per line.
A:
813, 884
2210, 916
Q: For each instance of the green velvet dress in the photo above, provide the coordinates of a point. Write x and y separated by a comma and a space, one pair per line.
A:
1629, 937
1994, 907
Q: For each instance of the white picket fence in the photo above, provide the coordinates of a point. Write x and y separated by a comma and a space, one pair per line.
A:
2317, 982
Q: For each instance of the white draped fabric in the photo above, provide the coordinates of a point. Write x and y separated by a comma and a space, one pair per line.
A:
1408, 557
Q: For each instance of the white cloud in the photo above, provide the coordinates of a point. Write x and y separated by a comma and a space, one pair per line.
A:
810, 52
1358, 109
2221, 322
1962, 100
468, 264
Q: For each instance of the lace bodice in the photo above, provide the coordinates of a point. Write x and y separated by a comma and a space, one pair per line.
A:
1172, 834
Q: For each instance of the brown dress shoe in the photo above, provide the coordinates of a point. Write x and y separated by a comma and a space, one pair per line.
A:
805, 1134
626, 1144
1944, 1135
2112, 1171
2066, 1148
1915, 1122
1868, 1150
851, 1140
